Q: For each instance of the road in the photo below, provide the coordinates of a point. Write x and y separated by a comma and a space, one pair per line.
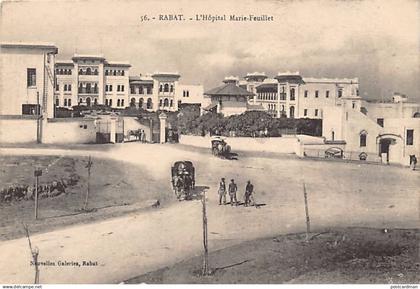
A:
339, 194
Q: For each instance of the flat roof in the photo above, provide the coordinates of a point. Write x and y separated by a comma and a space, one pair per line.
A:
88, 57
118, 63
30, 45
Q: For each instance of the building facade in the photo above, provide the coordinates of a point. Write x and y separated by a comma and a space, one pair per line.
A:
91, 79
27, 79
385, 131
291, 95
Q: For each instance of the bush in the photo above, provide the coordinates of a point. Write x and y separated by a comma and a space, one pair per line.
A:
250, 124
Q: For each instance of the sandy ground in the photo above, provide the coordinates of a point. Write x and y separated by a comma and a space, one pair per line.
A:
346, 255
339, 194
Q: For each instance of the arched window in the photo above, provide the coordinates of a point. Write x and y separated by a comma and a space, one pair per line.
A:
160, 102
160, 88
80, 101
65, 87
65, 102
80, 71
95, 101
110, 102
166, 102
88, 100
88, 71
416, 115
115, 72
133, 102
57, 102
118, 102
149, 104
363, 136
95, 88
332, 135
292, 112
95, 72
166, 88
141, 103
172, 88
171, 104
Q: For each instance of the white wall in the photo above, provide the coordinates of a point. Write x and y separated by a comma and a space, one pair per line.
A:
196, 94
18, 130
69, 131
285, 145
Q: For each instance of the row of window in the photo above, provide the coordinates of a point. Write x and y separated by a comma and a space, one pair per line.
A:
67, 102
185, 93
114, 72
140, 89
166, 102
166, 88
88, 71
63, 71
120, 88
305, 112
120, 102
66, 87
327, 93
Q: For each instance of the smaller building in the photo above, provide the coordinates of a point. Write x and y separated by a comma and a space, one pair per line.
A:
228, 99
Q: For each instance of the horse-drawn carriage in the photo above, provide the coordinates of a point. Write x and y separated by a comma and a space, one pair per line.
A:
220, 148
183, 179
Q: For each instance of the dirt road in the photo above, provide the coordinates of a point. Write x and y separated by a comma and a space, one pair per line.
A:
339, 194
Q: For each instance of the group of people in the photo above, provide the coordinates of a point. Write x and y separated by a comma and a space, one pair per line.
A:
25, 192
232, 190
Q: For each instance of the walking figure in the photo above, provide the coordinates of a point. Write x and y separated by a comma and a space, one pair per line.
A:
233, 188
222, 191
249, 189
413, 162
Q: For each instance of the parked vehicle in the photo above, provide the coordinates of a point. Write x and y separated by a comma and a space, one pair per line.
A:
220, 148
334, 152
183, 179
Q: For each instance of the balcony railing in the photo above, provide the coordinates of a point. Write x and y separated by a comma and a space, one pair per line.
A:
88, 91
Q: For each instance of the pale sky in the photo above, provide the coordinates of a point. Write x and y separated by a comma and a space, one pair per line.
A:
377, 41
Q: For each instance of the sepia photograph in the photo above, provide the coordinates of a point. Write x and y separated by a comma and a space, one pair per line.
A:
209, 142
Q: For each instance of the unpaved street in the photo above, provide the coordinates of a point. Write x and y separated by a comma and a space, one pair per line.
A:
339, 194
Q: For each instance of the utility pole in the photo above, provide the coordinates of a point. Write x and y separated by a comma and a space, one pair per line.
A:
205, 271
37, 174
88, 166
35, 254
38, 129
308, 226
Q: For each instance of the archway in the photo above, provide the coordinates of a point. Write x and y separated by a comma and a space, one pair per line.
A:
166, 102
416, 115
133, 102
149, 103
292, 112
141, 103
88, 100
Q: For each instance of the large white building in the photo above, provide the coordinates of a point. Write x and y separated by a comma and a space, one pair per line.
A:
289, 94
91, 79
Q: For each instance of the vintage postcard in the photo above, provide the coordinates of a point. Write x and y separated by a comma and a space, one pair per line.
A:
209, 142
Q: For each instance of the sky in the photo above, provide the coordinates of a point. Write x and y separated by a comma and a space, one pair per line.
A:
376, 41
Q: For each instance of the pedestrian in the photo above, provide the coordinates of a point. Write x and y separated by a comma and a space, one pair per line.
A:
413, 162
222, 191
143, 136
233, 188
249, 189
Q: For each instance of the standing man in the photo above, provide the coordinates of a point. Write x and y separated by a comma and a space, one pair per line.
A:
249, 189
233, 188
222, 191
